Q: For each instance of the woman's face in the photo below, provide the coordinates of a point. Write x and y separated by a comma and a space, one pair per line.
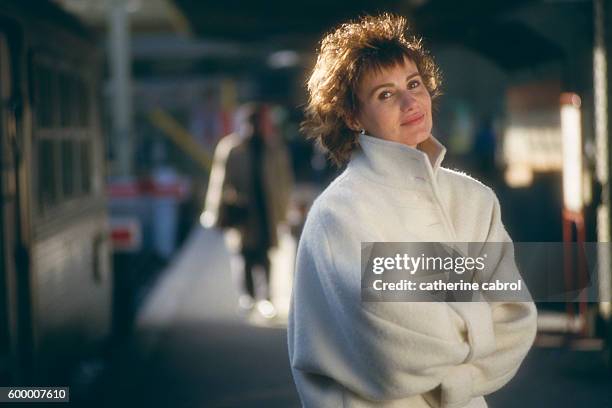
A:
394, 104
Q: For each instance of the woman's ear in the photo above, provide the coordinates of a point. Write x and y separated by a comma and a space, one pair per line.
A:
353, 124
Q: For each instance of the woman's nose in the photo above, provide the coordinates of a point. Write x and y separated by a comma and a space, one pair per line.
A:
407, 101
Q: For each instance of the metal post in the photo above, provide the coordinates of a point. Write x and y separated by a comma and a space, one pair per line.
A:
600, 91
121, 87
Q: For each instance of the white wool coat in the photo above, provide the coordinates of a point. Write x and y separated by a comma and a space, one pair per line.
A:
348, 353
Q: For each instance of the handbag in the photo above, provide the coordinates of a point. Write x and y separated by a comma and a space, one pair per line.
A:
232, 214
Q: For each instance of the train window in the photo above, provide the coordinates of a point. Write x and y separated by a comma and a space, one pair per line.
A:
45, 97
66, 103
68, 168
78, 102
62, 105
83, 102
85, 152
47, 173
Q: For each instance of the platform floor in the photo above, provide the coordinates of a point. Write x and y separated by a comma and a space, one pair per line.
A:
191, 348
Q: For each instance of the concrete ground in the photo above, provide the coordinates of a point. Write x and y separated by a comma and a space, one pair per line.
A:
191, 348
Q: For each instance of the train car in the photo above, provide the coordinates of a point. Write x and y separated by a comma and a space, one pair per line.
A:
56, 278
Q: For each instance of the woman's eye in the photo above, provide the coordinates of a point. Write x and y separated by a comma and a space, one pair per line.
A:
385, 95
414, 84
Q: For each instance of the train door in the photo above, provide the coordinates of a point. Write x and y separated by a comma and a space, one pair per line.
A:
7, 211
15, 322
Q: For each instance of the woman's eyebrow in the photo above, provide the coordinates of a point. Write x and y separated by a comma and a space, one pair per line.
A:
412, 75
389, 84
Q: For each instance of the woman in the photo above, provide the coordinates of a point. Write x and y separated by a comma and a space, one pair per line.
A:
370, 105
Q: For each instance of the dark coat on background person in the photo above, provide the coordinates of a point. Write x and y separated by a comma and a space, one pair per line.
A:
230, 200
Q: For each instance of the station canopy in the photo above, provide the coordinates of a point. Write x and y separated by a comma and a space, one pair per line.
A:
281, 24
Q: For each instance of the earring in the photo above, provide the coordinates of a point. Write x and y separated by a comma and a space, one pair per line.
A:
362, 131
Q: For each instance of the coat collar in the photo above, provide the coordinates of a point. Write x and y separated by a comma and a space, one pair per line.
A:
396, 164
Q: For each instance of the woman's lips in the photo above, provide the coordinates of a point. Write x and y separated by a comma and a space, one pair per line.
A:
412, 121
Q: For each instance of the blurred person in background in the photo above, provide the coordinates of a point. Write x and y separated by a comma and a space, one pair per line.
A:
484, 147
248, 196
370, 108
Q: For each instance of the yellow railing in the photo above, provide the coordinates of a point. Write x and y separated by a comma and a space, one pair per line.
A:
180, 137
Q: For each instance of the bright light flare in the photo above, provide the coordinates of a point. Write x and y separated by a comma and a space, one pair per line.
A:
572, 152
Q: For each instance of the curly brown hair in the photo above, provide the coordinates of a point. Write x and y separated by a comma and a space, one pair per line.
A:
371, 43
